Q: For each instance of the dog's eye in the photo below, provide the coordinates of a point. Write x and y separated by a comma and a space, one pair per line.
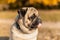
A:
32, 17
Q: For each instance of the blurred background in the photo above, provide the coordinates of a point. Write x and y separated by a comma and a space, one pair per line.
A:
49, 11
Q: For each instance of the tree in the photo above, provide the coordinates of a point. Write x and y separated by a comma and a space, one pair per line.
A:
23, 2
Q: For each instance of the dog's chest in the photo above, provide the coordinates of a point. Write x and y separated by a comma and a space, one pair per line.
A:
18, 35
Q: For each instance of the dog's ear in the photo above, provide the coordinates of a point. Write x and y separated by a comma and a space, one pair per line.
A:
19, 11
19, 14
22, 12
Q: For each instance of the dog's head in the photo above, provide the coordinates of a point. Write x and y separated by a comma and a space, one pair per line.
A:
29, 17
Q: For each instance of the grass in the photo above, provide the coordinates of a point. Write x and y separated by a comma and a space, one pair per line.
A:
49, 34
45, 15
8, 14
50, 15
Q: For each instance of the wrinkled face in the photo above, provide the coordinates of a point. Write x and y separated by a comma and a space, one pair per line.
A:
29, 20
28, 16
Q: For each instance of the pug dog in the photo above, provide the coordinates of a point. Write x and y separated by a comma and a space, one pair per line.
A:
26, 24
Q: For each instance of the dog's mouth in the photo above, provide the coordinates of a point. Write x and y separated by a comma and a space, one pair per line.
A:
35, 23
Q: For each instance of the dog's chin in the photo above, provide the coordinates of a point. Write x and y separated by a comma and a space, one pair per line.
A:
33, 28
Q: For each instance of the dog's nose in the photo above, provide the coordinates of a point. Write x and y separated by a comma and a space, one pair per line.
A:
39, 25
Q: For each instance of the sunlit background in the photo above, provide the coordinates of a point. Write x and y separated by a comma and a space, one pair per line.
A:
40, 4
49, 12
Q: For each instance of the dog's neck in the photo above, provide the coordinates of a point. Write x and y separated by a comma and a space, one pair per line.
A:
22, 28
